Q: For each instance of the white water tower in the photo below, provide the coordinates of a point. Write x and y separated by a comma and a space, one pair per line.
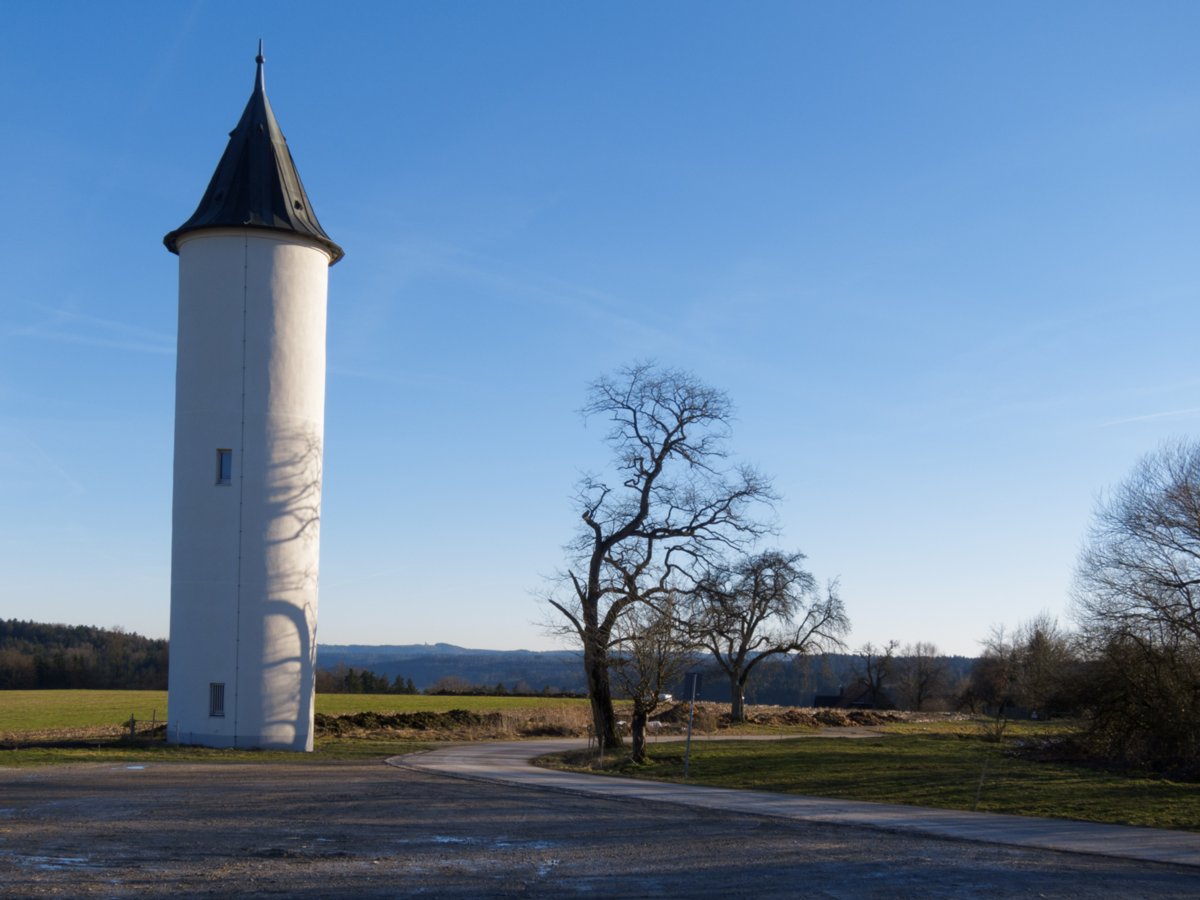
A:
249, 427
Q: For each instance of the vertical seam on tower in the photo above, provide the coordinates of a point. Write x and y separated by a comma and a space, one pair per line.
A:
237, 633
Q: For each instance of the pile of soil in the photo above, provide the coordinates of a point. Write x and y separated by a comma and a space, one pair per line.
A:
455, 721
821, 718
714, 716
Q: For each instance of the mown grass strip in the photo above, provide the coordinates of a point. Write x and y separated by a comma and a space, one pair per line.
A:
327, 750
938, 770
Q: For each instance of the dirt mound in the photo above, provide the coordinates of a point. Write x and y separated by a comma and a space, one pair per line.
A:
454, 720
714, 716
462, 724
459, 724
822, 718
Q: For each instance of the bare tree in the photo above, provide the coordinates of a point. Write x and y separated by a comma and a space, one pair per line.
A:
1140, 573
1047, 666
673, 499
922, 674
993, 681
1030, 668
651, 650
762, 606
875, 669
1137, 600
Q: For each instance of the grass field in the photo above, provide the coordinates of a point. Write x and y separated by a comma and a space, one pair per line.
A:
940, 769
38, 716
34, 711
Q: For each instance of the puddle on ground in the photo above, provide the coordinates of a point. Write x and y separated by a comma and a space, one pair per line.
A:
494, 843
501, 844
52, 863
547, 867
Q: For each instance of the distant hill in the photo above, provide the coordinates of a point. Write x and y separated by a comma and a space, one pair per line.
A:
786, 682
34, 655
530, 671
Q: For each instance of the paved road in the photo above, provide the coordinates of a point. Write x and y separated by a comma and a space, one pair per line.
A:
508, 763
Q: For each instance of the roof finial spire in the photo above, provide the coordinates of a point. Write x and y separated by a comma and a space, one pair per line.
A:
260, 59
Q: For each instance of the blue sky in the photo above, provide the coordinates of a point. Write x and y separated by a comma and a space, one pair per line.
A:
942, 256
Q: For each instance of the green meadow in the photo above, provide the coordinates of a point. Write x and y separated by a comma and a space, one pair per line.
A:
32, 711
943, 767
30, 720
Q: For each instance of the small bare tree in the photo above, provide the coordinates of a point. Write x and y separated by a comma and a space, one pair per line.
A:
1047, 666
651, 650
762, 606
1030, 668
673, 498
875, 668
923, 674
993, 682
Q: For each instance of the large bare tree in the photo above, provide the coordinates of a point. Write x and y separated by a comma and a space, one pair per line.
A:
1137, 600
672, 500
1140, 572
762, 606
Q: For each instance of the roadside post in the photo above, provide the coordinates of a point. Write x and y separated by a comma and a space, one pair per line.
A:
691, 684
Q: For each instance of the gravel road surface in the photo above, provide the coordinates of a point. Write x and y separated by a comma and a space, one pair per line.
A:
371, 830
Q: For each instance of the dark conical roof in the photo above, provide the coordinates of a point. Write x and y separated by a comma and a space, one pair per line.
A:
256, 184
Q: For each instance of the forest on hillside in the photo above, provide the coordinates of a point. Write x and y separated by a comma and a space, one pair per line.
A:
38, 656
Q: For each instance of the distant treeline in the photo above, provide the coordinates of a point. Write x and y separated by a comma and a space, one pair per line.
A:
454, 686
36, 656
438, 668
342, 679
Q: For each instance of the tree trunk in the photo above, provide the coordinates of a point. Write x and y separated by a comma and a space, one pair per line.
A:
638, 730
604, 720
737, 699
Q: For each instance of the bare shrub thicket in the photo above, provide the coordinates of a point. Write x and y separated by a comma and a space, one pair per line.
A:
1033, 670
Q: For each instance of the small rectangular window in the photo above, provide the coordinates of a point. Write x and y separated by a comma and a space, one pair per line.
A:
224, 467
216, 699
